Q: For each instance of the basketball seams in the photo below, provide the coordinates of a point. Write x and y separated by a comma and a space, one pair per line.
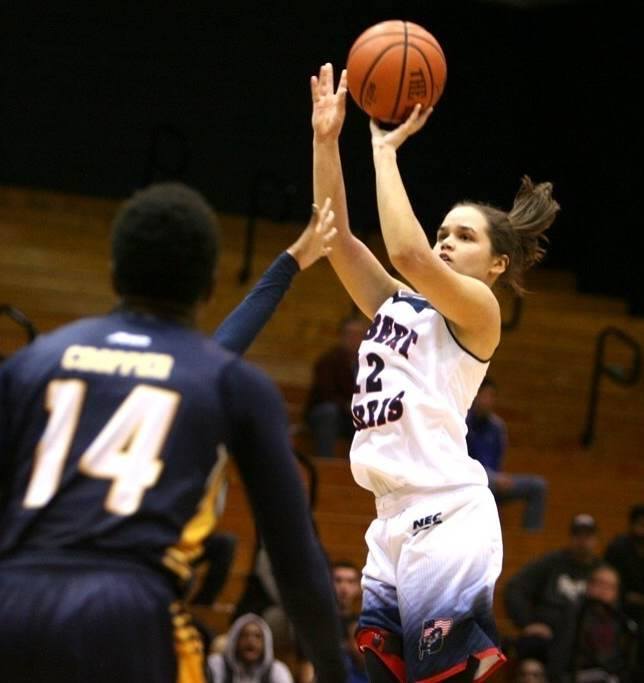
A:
368, 39
401, 79
378, 77
389, 32
373, 65
433, 42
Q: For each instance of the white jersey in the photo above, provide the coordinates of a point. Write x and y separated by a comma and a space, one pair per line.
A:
414, 386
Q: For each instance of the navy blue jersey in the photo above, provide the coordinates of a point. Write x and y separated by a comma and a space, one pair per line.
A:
94, 411
117, 431
114, 435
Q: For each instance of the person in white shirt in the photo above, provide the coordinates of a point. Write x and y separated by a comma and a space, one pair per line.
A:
435, 549
248, 655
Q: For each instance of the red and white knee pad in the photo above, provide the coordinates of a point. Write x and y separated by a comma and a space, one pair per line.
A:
386, 646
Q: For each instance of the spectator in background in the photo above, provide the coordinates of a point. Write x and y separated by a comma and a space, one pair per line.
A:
328, 408
540, 596
248, 655
355, 658
346, 581
487, 442
530, 671
626, 554
599, 645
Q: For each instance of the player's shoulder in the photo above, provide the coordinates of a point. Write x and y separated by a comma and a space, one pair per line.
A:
49, 343
249, 393
248, 376
410, 299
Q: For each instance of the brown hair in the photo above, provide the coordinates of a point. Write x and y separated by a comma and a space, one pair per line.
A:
518, 233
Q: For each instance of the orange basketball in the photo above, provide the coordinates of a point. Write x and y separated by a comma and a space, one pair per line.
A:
392, 66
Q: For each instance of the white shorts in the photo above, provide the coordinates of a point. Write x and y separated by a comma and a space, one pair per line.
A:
429, 578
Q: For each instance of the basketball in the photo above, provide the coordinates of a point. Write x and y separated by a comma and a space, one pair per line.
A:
394, 65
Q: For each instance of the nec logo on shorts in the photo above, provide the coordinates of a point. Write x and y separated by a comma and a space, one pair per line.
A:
432, 635
426, 523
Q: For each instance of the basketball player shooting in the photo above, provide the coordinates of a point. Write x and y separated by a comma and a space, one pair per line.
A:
435, 548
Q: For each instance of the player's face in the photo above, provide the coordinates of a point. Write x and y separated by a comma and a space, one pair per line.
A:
250, 646
462, 242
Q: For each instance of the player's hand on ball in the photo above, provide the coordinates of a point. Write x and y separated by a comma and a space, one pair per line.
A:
381, 138
329, 106
315, 240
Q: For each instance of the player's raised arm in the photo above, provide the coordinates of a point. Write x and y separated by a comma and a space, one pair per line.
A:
258, 424
364, 278
464, 300
239, 329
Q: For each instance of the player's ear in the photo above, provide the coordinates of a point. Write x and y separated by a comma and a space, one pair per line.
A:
500, 264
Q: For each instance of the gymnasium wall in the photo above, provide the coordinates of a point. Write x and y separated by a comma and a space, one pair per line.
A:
104, 98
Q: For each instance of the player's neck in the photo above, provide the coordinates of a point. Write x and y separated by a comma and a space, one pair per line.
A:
166, 310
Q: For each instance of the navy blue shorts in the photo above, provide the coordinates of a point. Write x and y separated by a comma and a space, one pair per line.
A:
89, 620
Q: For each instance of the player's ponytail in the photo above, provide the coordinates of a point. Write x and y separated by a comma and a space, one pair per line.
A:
531, 215
519, 233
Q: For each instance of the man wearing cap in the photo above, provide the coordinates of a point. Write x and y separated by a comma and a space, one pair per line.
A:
540, 597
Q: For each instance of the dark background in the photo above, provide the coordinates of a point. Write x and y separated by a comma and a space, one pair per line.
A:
105, 98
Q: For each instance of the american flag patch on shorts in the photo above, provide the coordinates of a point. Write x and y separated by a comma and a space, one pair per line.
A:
432, 634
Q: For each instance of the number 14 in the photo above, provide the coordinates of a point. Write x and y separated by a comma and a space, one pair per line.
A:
126, 450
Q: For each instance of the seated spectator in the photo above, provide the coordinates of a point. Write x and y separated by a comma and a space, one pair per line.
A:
626, 554
346, 581
539, 598
599, 645
487, 443
530, 671
328, 407
248, 655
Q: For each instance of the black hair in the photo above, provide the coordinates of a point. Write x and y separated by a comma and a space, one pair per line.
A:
345, 564
636, 512
164, 245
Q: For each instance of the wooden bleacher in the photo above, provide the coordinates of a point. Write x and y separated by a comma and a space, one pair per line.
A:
54, 265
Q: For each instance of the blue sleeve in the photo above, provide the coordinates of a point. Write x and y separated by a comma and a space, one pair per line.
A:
260, 446
237, 332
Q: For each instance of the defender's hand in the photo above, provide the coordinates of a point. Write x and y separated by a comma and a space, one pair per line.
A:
329, 107
315, 240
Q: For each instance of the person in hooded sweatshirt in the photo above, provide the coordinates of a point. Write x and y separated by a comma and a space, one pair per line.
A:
248, 655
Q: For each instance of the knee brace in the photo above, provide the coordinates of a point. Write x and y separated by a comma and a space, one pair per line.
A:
386, 646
